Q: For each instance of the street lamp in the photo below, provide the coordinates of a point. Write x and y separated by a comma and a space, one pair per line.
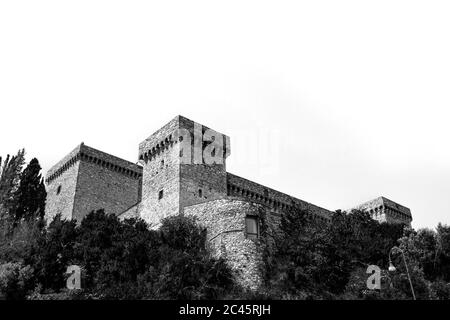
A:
392, 268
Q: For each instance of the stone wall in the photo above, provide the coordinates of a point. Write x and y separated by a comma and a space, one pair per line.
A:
88, 179
101, 188
161, 182
130, 213
225, 223
61, 183
203, 182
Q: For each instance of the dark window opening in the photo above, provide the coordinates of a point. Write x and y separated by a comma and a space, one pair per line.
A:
162, 164
161, 194
251, 227
200, 193
58, 190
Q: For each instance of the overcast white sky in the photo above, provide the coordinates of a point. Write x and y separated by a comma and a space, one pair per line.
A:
351, 97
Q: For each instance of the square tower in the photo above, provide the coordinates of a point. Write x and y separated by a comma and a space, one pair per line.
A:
184, 164
88, 179
385, 210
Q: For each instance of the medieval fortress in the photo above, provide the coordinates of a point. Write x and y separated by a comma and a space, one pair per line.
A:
182, 170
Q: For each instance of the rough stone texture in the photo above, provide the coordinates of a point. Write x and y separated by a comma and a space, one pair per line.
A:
225, 223
131, 213
99, 187
63, 202
158, 153
385, 210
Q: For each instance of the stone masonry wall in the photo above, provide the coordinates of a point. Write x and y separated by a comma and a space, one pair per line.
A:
160, 157
202, 183
88, 179
101, 188
225, 223
61, 180
63, 201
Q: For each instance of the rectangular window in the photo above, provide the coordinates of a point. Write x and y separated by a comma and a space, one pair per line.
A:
161, 194
251, 227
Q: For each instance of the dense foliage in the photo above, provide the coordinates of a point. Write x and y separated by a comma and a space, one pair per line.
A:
119, 259
315, 260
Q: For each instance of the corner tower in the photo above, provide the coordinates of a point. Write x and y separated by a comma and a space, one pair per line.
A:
88, 179
184, 164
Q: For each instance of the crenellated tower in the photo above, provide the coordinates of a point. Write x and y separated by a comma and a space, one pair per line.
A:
88, 179
184, 163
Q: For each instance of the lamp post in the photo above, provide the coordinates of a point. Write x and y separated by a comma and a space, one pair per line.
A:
392, 268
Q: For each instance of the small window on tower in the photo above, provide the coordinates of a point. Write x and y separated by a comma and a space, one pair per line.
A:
200, 193
162, 164
160, 194
251, 227
58, 190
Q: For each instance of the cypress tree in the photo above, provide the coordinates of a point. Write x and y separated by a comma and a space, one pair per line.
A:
31, 193
10, 172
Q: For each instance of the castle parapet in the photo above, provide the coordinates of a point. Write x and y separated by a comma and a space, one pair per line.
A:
279, 202
85, 153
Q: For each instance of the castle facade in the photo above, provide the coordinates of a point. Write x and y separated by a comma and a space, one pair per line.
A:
181, 169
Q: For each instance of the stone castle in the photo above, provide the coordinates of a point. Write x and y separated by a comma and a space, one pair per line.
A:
181, 169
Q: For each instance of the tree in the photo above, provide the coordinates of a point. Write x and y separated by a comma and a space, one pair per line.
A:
300, 257
31, 193
54, 253
9, 182
318, 260
443, 251
23, 242
184, 269
126, 260
422, 246
15, 280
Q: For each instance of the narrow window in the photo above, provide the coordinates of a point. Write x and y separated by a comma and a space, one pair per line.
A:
58, 190
251, 227
200, 193
162, 164
161, 194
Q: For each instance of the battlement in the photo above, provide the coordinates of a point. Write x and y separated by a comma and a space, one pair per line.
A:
171, 134
89, 154
279, 202
385, 210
